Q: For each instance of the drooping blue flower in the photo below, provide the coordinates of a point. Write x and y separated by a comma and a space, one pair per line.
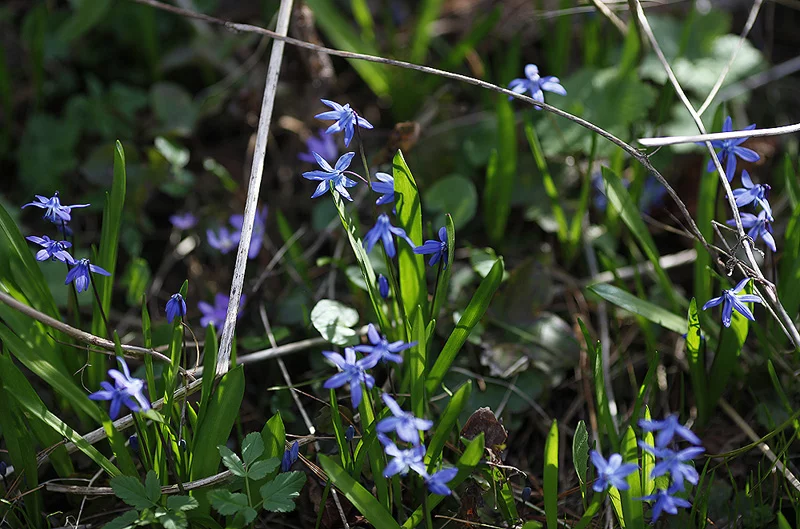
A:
384, 185
404, 460
652, 196
215, 315
55, 250
667, 429
80, 274
352, 372
757, 226
332, 177
126, 390
321, 143
290, 456
223, 239
675, 464
534, 84
753, 193
731, 301
381, 349
133, 441
54, 211
259, 229
383, 286
437, 248
176, 307
437, 482
526, 493
350, 433
612, 472
730, 149
404, 423
346, 120
183, 221
384, 230
665, 502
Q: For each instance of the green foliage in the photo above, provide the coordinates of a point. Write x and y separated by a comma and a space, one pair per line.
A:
149, 509
334, 321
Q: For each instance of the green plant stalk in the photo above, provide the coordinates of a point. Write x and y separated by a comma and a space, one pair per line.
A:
376, 455
549, 185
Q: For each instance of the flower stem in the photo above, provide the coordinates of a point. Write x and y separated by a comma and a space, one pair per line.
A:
109, 335
436, 288
426, 509
361, 150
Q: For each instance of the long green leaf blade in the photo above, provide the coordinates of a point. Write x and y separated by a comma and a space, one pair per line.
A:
646, 309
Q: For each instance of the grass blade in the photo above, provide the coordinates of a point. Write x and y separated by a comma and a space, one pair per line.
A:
550, 484
417, 366
472, 315
696, 358
640, 307
500, 179
446, 425
549, 185
634, 513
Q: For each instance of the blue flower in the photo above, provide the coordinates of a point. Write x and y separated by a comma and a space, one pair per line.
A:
667, 429
385, 185
612, 472
350, 433
437, 483
352, 372
332, 177
215, 315
223, 239
55, 212
404, 460
758, 227
55, 250
665, 502
126, 390
383, 230
381, 349
674, 464
731, 301
534, 84
383, 286
176, 307
437, 248
404, 423
183, 221
259, 228
133, 441
290, 456
346, 119
80, 274
320, 143
652, 194
753, 193
730, 150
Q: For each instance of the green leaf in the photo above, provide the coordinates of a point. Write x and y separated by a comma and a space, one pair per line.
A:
334, 320
182, 503
252, 448
446, 425
174, 108
125, 521
549, 185
696, 359
260, 469
640, 307
232, 461
413, 289
87, 14
172, 519
455, 195
550, 484
443, 286
278, 495
472, 315
152, 486
215, 427
648, 460
417, 365
228, 503
132, 492
631, 505
361, 498
580, 454
500, 181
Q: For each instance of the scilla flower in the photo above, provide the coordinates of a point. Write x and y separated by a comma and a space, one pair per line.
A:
80, 274
321, 143
176, 307
183, 221
332, 177
353, 372
54, 211
667, 429
346, 120
223, 239
675, 464
55, 250
534, 84
403, 460
730, 301
126, 390
757, 227
383, 286
381, 349
383, 231
290, 457
730, 149
665, 502
437, 248
612, 472
437, 483
404, 423
752, 193
384, 185
259, 229
215, 314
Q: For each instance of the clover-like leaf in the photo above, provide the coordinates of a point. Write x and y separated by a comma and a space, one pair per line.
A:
334, 320
278, 495
252, 448
232, 461
132, 492
123, 522
259, 469
182, 503
228, 503
152, 486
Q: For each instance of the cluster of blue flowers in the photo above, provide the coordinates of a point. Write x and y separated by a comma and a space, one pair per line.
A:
613, 472
405, 425
80, 270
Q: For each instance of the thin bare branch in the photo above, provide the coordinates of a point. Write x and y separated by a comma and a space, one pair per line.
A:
696, 138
